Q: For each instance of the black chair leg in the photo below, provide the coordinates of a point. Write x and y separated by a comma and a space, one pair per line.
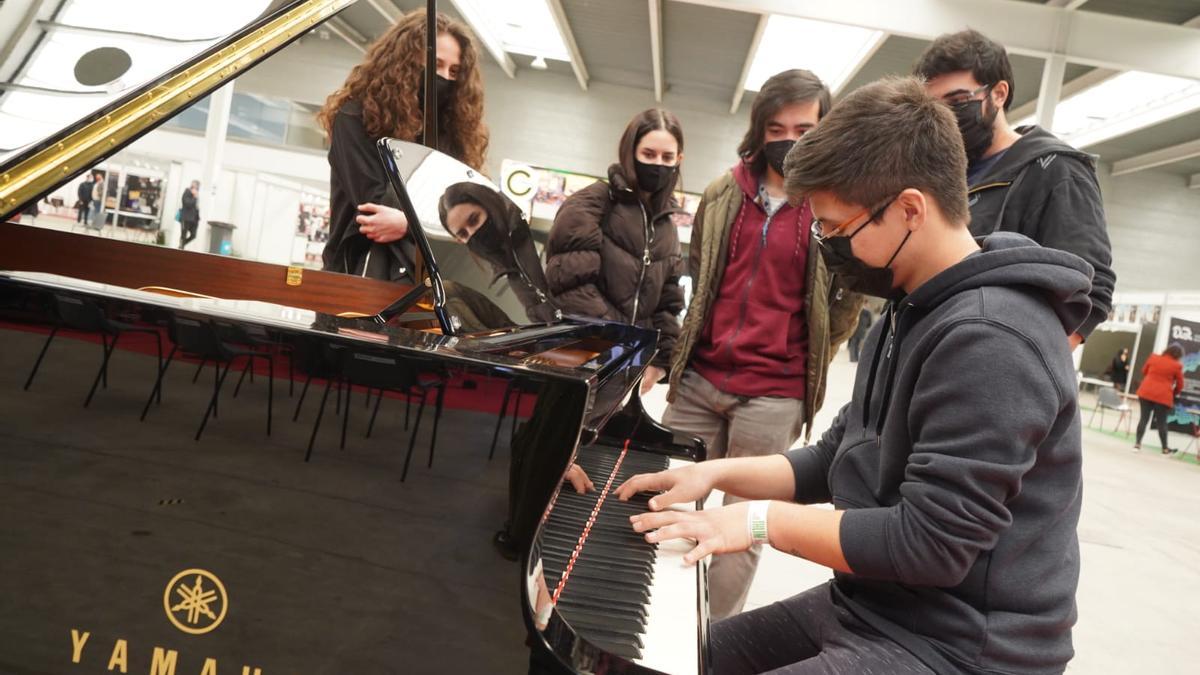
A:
157, 390
437, 416
270, 391
371, 425
516, 410
500, 419
407, 407
291, 375
346, 415
367, 399
158, 348
108, 350
412, 441
317, 424
104, 367
249, 368
203, 362
303, 393
37, 364
212, 405
216, 380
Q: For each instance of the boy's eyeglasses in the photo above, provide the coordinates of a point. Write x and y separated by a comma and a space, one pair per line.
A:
821, 231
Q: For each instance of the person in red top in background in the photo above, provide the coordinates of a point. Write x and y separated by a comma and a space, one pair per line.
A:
748, 369
1162, 380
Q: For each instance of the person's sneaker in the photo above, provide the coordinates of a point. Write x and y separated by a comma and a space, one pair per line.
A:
1137, 447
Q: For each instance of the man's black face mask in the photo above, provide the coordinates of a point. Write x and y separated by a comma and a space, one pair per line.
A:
975, 120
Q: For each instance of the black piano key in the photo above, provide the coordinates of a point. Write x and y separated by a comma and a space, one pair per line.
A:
607, 593
618, 625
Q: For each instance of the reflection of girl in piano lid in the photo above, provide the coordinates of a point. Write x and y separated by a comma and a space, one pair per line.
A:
384, 96
493, 228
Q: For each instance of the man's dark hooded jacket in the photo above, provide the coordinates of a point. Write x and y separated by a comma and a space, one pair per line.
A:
1047, 190
958, 465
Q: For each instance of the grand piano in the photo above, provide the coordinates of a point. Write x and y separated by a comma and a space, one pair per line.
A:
133, 541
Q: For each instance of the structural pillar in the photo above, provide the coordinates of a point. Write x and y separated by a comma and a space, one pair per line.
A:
219, 104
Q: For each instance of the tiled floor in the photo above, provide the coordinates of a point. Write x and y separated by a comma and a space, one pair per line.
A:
1139, 591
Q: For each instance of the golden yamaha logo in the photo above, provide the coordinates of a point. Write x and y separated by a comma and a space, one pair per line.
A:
196, 601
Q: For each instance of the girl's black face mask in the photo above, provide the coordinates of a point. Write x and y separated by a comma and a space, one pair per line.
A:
444, 90
653, 177
488, 239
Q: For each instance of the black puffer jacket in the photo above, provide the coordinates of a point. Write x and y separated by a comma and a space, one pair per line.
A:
612, 257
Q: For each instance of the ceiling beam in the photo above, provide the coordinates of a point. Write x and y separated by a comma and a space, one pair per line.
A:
16, 25
741, 83
386, 9
564, 29
1156, 158
1090, 38
490, 42
339, 27
1066, 4
1194, 183
656, 57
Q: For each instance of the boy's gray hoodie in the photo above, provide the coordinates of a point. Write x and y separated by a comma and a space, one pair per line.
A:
958, 465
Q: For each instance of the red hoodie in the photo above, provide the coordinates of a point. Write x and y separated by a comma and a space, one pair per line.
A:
755, 342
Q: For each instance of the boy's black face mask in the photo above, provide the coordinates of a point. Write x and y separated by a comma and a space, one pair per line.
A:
776, 152
975, 125
854, 274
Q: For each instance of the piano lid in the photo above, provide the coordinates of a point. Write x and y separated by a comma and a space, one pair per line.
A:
56, 120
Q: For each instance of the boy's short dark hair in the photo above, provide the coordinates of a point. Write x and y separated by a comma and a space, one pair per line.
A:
968, 50
781, 89
883, 138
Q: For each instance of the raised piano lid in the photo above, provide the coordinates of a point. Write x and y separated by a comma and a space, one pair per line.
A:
66, 544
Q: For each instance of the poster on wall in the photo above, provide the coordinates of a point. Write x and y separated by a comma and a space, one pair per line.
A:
1186, 334
540, 192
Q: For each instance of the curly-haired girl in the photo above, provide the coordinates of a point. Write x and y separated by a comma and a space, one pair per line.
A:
383, 96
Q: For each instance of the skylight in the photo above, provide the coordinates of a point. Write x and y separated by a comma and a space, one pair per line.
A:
521, 26
1119, 105
832, 51
161, 40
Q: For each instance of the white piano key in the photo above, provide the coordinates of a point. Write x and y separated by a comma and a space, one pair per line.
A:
672, 637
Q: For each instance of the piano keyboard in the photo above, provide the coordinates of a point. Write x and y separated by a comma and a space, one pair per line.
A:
622, 594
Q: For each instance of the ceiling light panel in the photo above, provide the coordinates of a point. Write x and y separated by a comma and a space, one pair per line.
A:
522, 26
833, 51
1127, 102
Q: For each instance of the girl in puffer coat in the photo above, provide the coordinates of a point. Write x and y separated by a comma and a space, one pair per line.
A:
614, 252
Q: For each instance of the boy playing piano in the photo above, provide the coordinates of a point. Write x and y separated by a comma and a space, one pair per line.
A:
955, 468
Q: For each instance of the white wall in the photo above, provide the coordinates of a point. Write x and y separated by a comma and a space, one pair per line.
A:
1154, 226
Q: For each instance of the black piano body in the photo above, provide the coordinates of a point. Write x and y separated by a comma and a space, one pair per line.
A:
129, 546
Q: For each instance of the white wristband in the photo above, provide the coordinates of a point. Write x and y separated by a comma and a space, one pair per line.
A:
756, 522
